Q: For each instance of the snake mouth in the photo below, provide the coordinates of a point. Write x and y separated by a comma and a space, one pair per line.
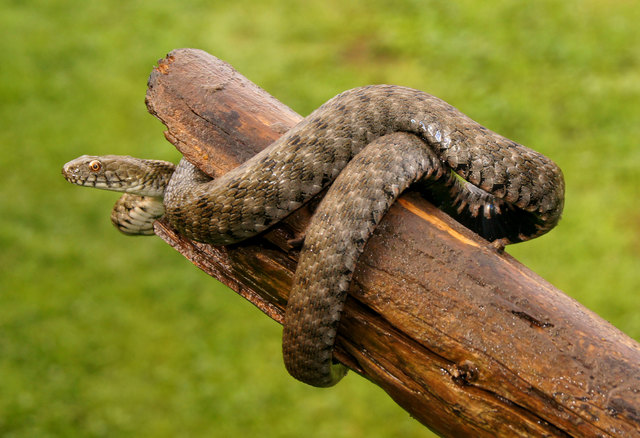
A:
74, 173
71, 174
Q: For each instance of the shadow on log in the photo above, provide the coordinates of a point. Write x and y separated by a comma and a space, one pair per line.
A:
469, 341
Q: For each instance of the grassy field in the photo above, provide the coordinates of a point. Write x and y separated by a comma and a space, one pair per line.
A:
104, 335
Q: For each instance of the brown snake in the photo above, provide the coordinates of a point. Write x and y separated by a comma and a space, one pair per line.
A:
374, 142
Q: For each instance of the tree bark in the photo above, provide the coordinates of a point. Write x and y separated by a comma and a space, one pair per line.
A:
468, 340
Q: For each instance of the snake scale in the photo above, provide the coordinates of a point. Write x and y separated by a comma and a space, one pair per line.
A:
374, 141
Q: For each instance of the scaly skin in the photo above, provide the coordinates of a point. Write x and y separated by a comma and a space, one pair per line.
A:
398, 136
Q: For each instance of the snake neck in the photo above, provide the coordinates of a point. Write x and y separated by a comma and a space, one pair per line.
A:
186, 179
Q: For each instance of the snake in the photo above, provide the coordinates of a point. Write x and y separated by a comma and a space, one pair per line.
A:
368, 145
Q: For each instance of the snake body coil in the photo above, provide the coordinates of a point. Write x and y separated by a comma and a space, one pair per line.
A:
378, 139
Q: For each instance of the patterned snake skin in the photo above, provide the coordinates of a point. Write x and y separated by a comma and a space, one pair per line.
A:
374, 142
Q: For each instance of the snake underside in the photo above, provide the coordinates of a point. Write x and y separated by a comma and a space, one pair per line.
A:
374, 142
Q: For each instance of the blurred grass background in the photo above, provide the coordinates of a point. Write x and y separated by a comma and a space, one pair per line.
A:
104, 335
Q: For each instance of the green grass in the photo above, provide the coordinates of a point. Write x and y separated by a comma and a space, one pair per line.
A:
103, 335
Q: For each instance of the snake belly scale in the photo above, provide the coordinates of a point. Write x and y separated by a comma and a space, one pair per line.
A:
374, 142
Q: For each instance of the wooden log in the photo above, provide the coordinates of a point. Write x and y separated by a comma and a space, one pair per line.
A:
469, 341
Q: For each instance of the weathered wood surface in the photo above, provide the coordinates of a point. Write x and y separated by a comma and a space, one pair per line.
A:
469, 341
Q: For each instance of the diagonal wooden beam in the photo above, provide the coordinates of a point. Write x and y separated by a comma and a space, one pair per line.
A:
469, 341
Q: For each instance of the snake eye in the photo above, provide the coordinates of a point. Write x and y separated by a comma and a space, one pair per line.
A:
95, 165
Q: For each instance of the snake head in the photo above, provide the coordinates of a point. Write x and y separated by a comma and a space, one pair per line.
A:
112, 172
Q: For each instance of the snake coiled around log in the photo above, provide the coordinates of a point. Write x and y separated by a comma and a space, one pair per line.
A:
374, 142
